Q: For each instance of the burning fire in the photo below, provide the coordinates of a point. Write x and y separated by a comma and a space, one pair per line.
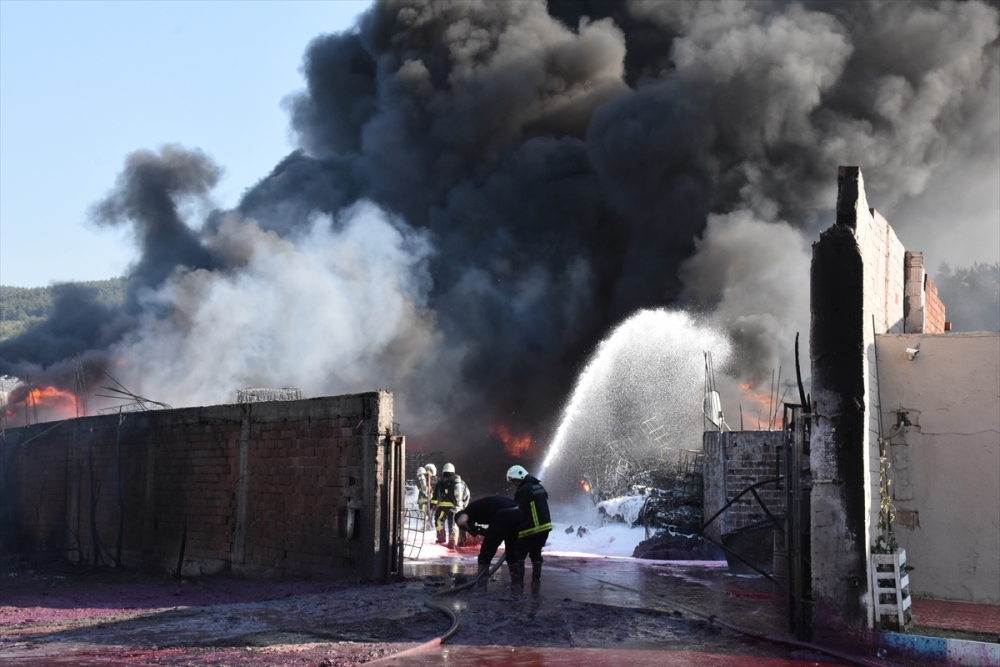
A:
759, 412
584, 486
516, 446
43, 403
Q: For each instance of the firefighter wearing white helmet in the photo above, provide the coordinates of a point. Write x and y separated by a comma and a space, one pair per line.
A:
536, 524
447, 501
423, 493
430, 475
516, 473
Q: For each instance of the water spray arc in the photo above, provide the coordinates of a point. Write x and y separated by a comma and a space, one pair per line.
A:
597, 368
650, 365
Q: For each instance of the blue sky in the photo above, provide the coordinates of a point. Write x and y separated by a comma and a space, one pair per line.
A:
83, 84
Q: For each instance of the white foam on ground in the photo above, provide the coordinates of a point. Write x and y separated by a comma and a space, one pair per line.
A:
615, 539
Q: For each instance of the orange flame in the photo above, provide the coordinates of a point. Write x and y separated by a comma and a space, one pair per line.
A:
48, 402
759, 410
516, 446
584, 486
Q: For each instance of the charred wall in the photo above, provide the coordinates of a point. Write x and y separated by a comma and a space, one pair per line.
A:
294, 488
857, 286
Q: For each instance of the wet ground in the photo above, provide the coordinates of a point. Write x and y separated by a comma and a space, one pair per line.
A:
591, 610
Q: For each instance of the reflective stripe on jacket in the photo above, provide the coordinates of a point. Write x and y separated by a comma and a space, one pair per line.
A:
444, 491
533, 500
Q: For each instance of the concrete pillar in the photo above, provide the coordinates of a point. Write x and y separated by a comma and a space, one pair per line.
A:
839, 447
238, 548
913, 297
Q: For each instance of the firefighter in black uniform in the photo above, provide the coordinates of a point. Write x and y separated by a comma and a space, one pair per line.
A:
536, 524
447, 503
498, 519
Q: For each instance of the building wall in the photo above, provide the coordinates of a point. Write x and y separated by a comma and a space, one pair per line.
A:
857, 289
735, 460
946, 467
261, 489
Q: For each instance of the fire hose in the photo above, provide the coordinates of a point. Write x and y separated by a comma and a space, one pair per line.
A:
712, 619
430, 604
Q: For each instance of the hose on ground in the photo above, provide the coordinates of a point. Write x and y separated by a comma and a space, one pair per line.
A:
715, 620
451, 591
430, 604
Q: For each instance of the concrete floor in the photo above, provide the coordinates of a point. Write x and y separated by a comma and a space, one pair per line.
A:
591, 611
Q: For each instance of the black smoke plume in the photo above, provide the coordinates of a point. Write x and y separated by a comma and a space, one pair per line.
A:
483, 189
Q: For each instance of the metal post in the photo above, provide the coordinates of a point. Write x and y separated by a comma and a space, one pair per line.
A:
795, 483
400, 486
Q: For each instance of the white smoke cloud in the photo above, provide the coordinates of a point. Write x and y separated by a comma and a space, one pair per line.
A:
341, 308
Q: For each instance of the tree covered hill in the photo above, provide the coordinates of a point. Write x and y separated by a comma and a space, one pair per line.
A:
21, 307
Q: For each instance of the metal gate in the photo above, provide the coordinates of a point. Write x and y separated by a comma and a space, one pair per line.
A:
792, 546
794, 462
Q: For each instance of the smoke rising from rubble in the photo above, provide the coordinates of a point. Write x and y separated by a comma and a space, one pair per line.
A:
484, 189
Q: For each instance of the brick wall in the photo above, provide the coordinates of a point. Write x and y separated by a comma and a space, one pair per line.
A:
924, 311
735, 460
934, 313
294, 488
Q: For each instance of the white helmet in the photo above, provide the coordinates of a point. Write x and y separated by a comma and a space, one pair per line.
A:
421, 471
516, 472
448, 468
431, 468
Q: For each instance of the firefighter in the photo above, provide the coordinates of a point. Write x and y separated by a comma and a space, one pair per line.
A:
536, 524
432, 480
423, 493
444, 499
498, 519
461, 502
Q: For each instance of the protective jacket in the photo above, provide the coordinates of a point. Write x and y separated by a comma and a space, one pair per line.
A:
482, 511
461, 492
444, 491
533, 500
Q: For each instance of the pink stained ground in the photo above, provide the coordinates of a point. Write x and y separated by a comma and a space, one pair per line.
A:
599, 611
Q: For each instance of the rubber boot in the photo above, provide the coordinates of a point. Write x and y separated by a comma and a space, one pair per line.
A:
482, 577
516, 577
536, 577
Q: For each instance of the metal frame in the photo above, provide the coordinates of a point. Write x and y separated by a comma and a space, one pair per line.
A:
793, 475
752, 489
797, 431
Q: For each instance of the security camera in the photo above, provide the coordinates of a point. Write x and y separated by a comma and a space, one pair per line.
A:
912, 352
